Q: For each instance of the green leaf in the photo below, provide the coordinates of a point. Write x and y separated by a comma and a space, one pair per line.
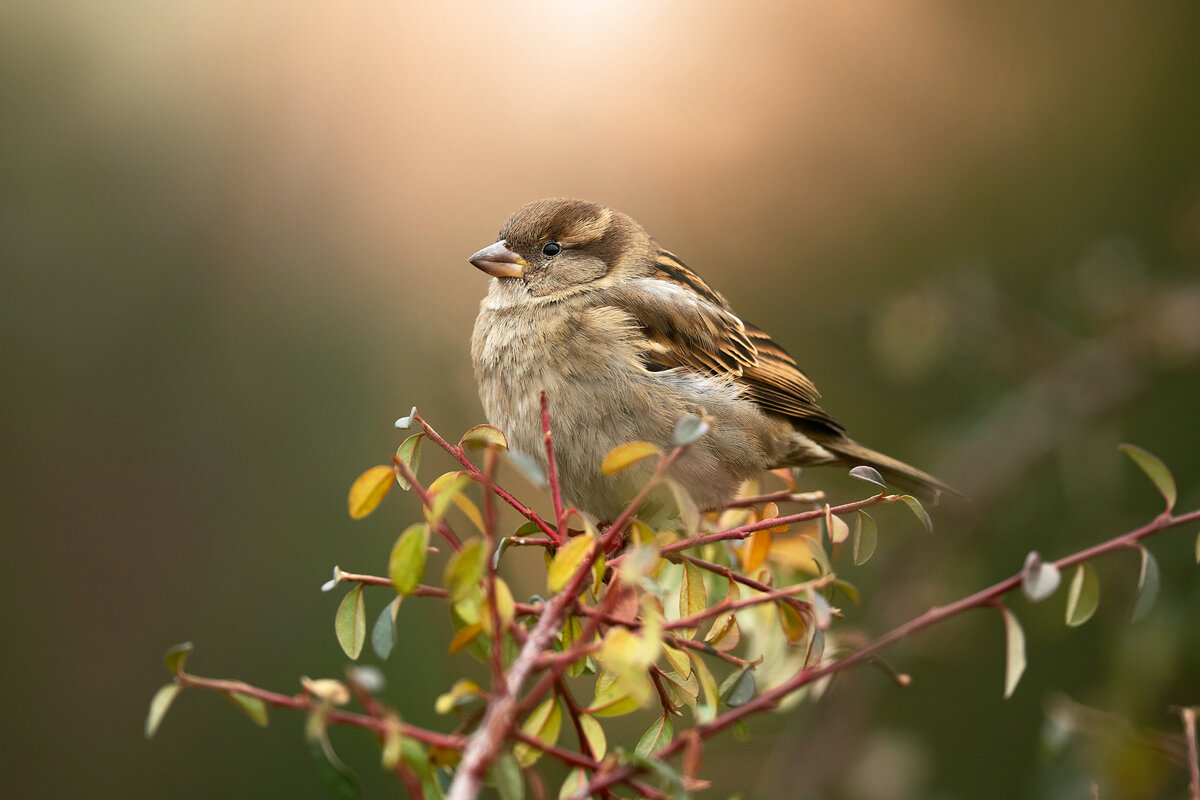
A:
442, 492
626, 455
159, 705
656, 736
1155, 470
383, 634
543, 724
712, 695
406, 566
1014, 663
1148, 583
336, 776
918, 511
1083, 596
611, 699
368, 490
868, 474
689, 512
738, 688
393, 743
350, 622
506, 775
693, 597
1039, 579
689, 429
177, 656
593, 731
505, 608
865, 537
464, 569
252, 707
572, 633
678, 661
409, 452
1198, 548
567, 561
575, 784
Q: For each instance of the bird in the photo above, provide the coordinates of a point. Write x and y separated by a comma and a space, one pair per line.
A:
626, 340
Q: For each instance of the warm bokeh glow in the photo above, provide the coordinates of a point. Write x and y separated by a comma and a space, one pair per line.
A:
235, 237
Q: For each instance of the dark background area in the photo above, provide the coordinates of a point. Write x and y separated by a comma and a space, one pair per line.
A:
234, 239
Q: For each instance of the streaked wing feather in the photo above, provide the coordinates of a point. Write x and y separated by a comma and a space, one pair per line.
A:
688, 325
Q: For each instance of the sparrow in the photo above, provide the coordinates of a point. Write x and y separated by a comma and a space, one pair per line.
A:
626, 340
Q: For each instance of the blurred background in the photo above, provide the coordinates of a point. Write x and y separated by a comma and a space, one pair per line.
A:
234, 240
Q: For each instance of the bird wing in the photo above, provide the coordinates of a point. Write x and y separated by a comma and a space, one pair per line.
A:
688, 325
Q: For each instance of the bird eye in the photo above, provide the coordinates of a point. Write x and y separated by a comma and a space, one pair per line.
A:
552, 249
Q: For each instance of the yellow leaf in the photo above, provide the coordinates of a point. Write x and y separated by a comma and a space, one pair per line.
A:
459, 692
368, 490
594, 733
504, 605
692, 595
612, 699
567, 560
795, 628
754, 551
572, 634
626, 455
442, 493
543, 724
465, 636
464, 569
678, 660
484, 436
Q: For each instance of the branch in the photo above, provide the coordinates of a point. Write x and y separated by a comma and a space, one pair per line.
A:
305, 702
552, 468
457, 454
983, 598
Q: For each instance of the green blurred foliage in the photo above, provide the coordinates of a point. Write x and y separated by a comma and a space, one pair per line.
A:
234, 243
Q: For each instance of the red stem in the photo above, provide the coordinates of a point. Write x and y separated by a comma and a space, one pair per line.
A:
305, 702
406, 472
982, 598
474, 471
552, 468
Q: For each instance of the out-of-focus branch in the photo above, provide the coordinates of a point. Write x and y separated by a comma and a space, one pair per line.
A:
981, 599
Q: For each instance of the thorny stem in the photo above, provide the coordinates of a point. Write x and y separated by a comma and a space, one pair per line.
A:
457, 454
983, 598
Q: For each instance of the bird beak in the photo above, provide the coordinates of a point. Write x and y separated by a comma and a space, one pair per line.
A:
498, 261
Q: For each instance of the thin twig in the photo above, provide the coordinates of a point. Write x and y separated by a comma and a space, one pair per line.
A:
1193, 755
552, 468
305, 702
458, 455
982, 598
406, 472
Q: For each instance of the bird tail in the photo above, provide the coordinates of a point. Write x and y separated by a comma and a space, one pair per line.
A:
852, 454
